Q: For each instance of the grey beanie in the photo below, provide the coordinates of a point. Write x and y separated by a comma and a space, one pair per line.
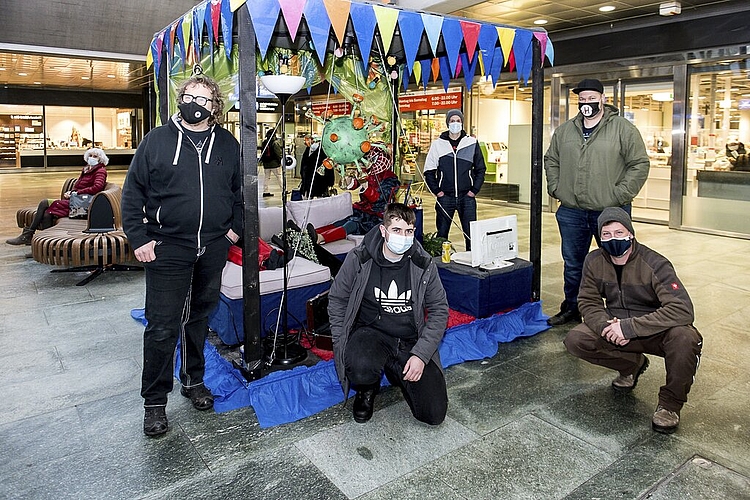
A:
615, 214
451, 113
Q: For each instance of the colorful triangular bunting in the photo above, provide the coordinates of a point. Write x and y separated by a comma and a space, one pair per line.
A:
319, 25
452, 38
410, 25
338, 13
263, 14
471, 34
387, 18
364, 22
432, 26
292, 12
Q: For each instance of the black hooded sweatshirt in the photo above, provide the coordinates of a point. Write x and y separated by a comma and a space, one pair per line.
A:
182, 194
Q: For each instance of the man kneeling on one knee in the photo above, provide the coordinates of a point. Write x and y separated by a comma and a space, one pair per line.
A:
388, 313
633, 304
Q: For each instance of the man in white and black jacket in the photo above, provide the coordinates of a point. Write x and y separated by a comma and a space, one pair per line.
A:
181, 210
388, 313
454, 172
634, 304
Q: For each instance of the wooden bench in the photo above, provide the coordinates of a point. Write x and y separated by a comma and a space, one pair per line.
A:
25, 216
96, 244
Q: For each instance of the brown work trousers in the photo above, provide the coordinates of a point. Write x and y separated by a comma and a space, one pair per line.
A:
680, 347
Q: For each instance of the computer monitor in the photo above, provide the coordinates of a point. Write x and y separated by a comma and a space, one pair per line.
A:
493, 243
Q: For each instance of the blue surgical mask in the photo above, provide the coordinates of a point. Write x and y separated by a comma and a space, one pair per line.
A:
398, 243
93, 161
455, 127
617, 247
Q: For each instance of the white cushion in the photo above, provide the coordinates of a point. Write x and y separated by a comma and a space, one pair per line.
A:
323, 211
340, 246
302, 272
270, 222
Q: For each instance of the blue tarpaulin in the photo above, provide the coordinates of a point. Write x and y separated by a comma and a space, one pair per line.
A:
286, 396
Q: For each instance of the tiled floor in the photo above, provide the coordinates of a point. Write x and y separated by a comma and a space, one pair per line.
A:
532, 422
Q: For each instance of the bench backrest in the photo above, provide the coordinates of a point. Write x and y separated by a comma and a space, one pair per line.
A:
104, 212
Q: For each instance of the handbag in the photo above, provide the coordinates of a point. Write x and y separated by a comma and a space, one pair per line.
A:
79, 205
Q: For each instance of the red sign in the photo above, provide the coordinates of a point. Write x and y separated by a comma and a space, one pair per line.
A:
437, 100
335, 107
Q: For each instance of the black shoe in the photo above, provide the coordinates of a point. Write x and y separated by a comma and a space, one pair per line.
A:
364, 404
155, 421
200, 396
291, 225
311, 232
566, 315
23, 239
266, 195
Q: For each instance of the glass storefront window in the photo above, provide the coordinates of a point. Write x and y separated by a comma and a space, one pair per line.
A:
717, 170
57, 136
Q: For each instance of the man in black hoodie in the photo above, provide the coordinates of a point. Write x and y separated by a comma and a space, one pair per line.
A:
388, 312
181, 210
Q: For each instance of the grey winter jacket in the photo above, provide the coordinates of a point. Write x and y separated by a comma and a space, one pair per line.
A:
428, 296
607, 170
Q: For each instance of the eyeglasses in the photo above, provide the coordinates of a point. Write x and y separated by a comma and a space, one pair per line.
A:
199, 99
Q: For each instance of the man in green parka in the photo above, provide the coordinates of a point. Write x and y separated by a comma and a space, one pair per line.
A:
594, 161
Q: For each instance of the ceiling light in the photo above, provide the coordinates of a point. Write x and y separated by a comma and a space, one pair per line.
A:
37, 83
2, 69
607, 8
85, 78
541, 21
111, 76
23, 74
670, 8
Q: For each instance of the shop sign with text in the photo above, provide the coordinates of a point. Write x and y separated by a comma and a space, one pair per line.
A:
415, 101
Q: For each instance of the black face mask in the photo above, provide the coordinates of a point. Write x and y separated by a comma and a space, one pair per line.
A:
193, 112
617, 247
588, 109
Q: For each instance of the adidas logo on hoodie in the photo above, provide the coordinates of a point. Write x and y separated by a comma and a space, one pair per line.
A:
393, 302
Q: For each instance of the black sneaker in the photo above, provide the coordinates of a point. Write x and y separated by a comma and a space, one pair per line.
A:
266, 195
566, 315
155, 421
364, 404
200, 396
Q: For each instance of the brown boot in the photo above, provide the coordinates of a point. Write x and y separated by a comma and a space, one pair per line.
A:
23, 239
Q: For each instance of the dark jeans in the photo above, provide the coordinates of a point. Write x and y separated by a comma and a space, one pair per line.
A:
577, 227
182, 288
446, 206
370, 352
679, 346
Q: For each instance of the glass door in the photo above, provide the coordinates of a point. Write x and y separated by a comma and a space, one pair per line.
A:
649, 107
717, 172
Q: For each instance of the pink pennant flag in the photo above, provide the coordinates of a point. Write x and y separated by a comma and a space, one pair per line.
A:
542, 37
291, 10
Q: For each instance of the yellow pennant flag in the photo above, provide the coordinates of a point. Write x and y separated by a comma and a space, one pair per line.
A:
236, 4
417, 72
506, 35
387, 17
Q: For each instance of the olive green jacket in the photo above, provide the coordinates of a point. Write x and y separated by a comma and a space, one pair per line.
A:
607, 170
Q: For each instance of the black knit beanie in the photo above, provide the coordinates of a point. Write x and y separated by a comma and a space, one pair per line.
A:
615, 214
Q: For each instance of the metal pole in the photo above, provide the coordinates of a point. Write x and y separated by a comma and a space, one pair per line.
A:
537, 123
253, 354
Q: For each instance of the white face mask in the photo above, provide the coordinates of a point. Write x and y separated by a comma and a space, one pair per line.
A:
398, 243
455, 127
93, 161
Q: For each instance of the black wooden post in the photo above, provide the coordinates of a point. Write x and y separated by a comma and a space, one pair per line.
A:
537, 134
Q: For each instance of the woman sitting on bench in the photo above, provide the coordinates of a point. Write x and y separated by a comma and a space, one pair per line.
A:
93, 178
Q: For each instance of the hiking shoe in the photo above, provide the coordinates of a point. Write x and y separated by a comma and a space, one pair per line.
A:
626, 383
665, 421
155, 421
364, 404
567, 314
200, 396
